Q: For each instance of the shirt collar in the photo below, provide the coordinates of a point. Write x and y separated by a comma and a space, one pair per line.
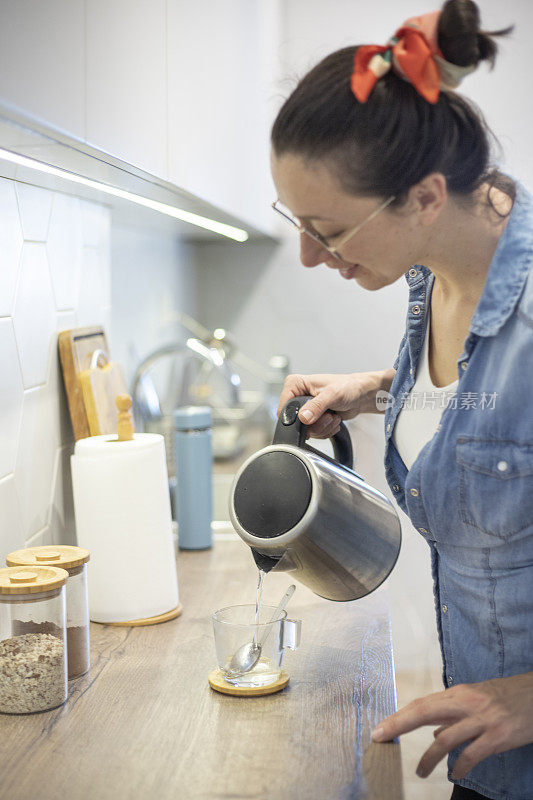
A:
508, 270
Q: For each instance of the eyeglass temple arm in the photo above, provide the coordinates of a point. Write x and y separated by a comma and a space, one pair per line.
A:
348, 235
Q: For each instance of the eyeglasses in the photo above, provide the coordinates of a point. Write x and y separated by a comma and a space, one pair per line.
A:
333, 249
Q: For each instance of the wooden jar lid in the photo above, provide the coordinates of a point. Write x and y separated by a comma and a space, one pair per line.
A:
60, 555
31, 580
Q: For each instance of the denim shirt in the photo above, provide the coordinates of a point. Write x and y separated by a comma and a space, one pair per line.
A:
470, 491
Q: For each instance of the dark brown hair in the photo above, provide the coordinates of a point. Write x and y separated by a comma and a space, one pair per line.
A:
391, 142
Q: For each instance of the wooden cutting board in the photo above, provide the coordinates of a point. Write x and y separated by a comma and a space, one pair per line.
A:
92, 381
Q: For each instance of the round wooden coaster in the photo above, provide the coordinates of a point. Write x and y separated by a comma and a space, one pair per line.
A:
219, 684
172, 614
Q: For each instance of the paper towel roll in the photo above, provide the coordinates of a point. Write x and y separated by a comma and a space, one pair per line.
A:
122, 508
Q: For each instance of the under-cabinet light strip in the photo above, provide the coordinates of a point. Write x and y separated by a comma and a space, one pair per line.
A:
238, 234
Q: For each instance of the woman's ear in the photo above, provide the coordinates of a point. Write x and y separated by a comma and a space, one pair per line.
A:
428, 197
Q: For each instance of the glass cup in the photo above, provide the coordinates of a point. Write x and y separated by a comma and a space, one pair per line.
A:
236, 626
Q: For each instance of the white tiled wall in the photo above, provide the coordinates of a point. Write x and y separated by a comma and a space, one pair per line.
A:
54, 275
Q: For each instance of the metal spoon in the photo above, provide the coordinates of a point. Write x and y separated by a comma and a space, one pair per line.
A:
247, 656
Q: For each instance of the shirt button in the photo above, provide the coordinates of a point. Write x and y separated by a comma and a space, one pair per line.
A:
396, 488
444, 609
502, 465
413, 272
414, 492
411, 371
388, 427
450, 680
422, 530
416, 309
464, 364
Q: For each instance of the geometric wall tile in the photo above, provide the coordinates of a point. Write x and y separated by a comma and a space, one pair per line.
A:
65, 321
39, 291
10, 245
11, 394
11, 532
62, 524
63, 246
42, 537
93, 217
38, 445
95, 288
35, 205
107, 324
105, 242
35, 314
104, 248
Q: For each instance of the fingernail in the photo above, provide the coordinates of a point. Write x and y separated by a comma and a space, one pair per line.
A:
377, 735
306, 416
420, 772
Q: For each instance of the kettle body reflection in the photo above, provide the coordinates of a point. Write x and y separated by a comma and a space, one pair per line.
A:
311, 515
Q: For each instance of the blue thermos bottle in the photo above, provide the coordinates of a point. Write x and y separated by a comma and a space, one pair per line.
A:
194, 465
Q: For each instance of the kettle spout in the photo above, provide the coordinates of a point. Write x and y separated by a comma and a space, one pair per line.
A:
287, 562
263, 562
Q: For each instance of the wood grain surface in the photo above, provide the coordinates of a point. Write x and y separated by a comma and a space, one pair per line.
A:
144, 723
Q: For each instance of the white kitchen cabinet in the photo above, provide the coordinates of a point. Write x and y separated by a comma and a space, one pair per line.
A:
182, 90
42, 60
126, 81
220, 58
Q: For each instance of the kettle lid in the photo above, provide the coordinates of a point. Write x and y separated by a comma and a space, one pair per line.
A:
272, 494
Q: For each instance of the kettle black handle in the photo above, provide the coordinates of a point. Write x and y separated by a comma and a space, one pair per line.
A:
291, 430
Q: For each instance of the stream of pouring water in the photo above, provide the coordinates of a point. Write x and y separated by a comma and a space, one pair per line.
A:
258, 596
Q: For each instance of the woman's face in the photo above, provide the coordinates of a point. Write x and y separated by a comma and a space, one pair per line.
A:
377, 255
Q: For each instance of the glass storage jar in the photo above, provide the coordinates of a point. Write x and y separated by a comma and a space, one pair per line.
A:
74, 560
33, 663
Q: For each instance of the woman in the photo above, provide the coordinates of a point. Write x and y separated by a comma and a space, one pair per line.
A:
384, 169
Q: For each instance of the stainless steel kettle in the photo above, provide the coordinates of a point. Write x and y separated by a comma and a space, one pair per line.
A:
304, 512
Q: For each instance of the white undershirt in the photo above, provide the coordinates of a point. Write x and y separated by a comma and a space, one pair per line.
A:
422, 409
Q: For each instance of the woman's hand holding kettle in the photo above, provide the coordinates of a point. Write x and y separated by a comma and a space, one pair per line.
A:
335, 398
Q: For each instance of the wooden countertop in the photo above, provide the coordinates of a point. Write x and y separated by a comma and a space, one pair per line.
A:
143, 723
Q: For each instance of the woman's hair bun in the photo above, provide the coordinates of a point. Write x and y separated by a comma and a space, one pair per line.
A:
461, 40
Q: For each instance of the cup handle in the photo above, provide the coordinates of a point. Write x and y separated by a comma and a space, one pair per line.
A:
291, 631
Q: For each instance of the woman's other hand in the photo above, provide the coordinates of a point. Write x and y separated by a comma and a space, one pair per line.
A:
489, 717
335, 398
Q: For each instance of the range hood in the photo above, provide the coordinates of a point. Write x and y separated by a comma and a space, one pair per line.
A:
31, 151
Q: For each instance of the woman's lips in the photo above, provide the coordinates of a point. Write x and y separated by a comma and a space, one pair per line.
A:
348, 272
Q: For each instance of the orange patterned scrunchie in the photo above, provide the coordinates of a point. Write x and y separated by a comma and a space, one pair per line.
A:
414, 54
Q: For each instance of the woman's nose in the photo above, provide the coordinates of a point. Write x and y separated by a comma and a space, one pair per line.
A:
311, 252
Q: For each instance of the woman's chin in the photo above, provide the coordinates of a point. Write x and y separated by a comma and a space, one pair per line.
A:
370, 281
364, 277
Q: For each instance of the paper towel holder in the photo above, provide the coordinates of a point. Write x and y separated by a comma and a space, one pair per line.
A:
125, 434
125, 431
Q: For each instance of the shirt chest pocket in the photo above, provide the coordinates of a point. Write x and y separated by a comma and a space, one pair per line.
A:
495, 485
